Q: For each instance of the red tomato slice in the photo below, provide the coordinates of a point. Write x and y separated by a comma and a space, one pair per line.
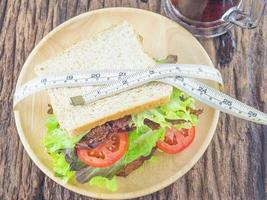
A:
107, 153
176, 140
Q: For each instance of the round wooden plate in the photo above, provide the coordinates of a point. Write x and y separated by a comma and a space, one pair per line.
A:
161, 37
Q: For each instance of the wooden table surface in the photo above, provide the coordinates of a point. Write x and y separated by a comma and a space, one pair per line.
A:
233, 167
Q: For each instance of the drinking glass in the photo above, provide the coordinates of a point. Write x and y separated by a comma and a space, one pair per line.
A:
210, 18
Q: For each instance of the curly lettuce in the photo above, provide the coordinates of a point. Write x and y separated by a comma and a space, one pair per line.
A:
56, 138
55, 141
61, 167
178, 108
105, 183
141, 143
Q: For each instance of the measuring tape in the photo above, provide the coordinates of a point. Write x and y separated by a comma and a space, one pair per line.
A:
182, 76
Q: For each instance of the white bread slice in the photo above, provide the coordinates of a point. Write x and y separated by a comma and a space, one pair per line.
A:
116, 48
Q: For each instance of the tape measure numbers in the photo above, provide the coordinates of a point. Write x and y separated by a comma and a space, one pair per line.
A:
108, 77
182, 76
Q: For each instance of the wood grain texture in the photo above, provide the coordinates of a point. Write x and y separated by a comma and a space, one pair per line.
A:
233, 167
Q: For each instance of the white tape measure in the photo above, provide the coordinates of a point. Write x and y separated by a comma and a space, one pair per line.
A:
182, 76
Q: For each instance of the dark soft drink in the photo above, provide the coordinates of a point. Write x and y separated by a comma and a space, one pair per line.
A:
204, 10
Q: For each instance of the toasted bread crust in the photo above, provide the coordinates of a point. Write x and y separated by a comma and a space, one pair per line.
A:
133, 110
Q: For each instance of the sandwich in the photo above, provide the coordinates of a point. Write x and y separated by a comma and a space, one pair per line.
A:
114, 136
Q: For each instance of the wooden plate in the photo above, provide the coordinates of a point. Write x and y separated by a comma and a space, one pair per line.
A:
161, 37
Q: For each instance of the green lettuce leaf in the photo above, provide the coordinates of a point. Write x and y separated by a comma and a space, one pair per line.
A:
141, 144
61, 167
168, 59
55, 141
56, 138
177, 108
51, 123
103, 182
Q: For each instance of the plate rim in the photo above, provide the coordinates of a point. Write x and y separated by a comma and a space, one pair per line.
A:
87, 193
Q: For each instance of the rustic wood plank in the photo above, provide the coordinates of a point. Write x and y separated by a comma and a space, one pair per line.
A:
233, 167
